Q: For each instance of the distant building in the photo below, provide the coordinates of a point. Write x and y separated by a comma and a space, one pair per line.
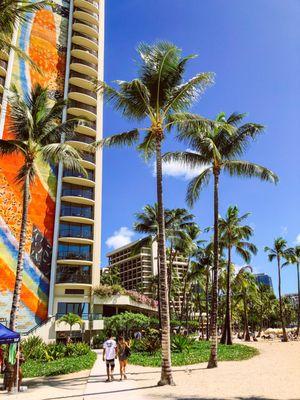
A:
136, 264
264, 279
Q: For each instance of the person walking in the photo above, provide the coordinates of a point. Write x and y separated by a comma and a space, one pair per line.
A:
123, 354
109, 355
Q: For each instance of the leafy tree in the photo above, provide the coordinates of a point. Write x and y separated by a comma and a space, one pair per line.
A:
71, 320
216, 146
110, 277
126, 323
234, 235
158, 93
35, 124
280, 252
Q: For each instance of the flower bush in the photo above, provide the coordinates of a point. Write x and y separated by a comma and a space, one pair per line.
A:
106, 290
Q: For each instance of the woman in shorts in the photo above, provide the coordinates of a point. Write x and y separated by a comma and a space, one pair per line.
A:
123, 355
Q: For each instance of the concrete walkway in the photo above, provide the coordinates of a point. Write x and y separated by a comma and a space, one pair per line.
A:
97, 388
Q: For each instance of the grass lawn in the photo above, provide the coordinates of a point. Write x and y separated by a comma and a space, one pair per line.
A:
61, 366
197, 354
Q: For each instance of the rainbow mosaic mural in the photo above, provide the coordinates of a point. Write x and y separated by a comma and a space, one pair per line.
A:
44, 37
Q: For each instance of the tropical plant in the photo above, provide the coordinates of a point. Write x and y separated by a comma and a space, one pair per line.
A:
126, 323
71, 320
181, 343
110, 276
216, 146
234, 235
280, 252
296, 260
13, 12
158, 93
34, 121
246, 292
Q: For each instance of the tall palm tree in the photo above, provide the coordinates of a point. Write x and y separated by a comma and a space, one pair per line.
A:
246, 292
296, 260
234, 235
35, 124
280, 252
13, 12
155, 95
216, 146
71, 320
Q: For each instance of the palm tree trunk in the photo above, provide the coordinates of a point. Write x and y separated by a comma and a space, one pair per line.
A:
166, 370
19, 271
298, 279
227, 334
207, 304
213, 360
285, 338
246, 323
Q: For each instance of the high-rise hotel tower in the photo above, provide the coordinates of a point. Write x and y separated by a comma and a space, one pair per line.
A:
62, 258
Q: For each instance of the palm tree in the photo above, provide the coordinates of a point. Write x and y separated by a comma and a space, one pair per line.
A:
158, 93
35, 124
13, 12
296, 260
71, 319
216, 146
233, 235
280, 252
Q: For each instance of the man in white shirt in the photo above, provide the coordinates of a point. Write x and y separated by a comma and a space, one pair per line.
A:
109, 355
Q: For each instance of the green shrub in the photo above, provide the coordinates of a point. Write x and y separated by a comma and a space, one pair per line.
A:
32, 368
181, 343
126, 323
150, 343
76, 349
33, 348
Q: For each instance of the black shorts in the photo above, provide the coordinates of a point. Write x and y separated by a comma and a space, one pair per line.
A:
110, 363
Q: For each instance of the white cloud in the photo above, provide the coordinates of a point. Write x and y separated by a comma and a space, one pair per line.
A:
297, 241
120, 238
178, 169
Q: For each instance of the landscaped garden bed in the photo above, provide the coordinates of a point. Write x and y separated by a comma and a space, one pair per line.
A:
197, 353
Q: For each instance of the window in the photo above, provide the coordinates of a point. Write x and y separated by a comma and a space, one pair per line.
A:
75, 230
75, 251
75, 308
76, 210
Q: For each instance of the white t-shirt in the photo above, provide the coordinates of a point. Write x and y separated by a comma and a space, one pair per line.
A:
110, 349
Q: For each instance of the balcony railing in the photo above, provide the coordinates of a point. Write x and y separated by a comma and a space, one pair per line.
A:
64, 277
72, 255
78, 192
84, 232
71, 211
90, 174
84, 316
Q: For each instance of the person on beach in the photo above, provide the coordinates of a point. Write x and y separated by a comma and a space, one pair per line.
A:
109, 355
123, 354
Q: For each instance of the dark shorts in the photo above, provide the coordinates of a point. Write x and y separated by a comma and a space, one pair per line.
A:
110, 363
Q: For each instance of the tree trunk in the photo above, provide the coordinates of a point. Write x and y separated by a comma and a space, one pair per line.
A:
285, 338
207, 304
246, 323
227, 333
298, 279
213, 360
166, 370
19, 271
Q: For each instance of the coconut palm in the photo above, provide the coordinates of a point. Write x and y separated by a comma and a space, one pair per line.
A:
296, 260
216, 146
71, 320
158, 92
35, 123
13, 12
234, 236
280, 252
246, 292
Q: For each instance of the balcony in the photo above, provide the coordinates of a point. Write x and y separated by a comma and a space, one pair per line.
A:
89, 5
73, 255
86, 130
73, 210
86, 42
73, 276
86, 30
90, 174
85, 55
84, 16
76, 231
84, 69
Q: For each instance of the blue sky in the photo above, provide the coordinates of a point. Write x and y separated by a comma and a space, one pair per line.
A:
254, 50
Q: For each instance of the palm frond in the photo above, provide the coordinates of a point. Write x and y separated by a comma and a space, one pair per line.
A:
147, 146
187, 158
247, 169
122, 139
196, 185
12, 146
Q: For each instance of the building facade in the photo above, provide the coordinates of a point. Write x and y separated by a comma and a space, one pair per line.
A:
62, 253
264, 279
136, 265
